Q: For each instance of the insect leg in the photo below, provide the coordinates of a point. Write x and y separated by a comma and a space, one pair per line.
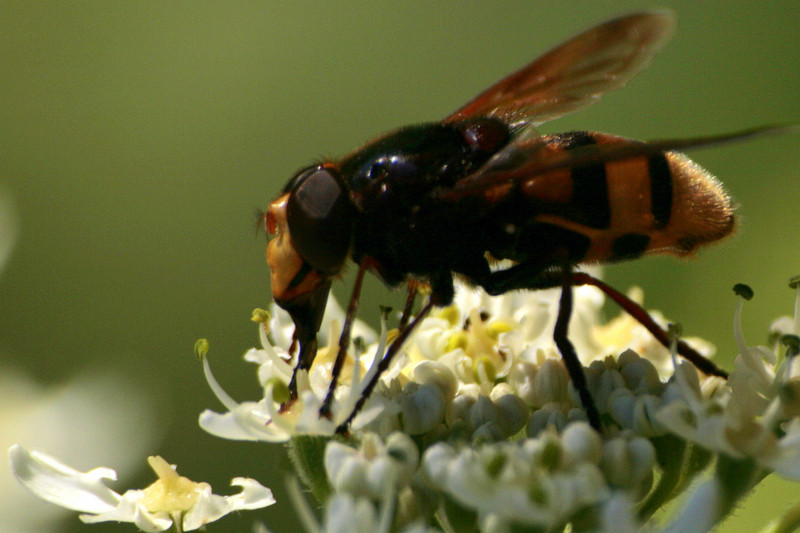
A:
571, 361
524, 275
344, 340
644, 318
384, 364
412, 294
518, 277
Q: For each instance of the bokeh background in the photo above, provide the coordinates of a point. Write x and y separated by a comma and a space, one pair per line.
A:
137, 139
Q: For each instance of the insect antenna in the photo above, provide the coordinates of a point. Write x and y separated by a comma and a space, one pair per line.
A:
260, 221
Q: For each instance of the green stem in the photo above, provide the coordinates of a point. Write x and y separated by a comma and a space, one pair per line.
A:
679, 463
738, 477
307, 454
177, 521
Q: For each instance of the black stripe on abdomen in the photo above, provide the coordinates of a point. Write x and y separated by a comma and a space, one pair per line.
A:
660, 189
541, 242
629, 246
589, 186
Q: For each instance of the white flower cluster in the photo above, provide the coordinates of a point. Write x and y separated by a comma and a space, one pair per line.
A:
482, 426
485, 366
476, 426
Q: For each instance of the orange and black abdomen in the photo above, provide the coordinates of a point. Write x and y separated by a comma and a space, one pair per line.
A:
621, 209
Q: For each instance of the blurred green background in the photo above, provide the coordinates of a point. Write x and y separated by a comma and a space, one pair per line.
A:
137, 139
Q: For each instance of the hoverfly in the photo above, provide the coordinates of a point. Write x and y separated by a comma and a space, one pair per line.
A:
427, 202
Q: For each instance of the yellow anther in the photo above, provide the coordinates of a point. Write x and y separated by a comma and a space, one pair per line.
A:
450, 313
496, 328
483, 370
457, 339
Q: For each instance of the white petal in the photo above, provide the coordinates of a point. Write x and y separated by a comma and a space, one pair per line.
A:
254, 355
211, 507
336, 455
345, 514
130, 510
254, 495
52, 480
246, 422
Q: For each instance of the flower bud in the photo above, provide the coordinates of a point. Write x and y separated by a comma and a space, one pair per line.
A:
523, 378
549, 415
487, 432
639, 374
437, 374
628, 462
422, 407
581, 444
482, 412
513, 413
402, 449
347, 470
550, 383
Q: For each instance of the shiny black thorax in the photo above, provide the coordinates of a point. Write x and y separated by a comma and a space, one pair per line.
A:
399, 223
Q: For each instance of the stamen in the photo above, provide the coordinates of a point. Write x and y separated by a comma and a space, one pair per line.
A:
229, 403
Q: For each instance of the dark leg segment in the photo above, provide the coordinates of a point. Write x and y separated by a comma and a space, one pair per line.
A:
644, 318
412, 294
384, 363
571, 361
532, 275
344, 341
525, 276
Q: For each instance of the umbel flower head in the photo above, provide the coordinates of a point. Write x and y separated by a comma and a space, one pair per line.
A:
476, 426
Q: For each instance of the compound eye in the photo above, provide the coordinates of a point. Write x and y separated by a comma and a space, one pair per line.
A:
320, 218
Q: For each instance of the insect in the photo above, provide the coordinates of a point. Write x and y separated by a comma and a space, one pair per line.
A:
430, 201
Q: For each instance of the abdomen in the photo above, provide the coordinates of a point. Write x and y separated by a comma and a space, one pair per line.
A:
622, 209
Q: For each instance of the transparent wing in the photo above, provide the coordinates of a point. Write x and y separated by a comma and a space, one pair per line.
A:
576, 73
529, 158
